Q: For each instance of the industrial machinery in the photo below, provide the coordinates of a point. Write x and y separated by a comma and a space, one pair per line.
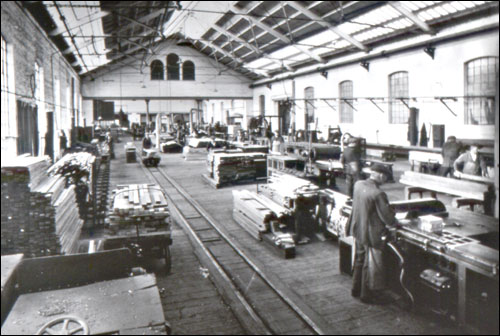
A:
439, 262
150, 157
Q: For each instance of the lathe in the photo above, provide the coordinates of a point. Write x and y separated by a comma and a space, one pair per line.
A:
450, 269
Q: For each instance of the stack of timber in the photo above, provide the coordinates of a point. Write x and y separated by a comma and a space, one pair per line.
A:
262, 219
235, 167
79, 168
284, 189
39, 217
138, 204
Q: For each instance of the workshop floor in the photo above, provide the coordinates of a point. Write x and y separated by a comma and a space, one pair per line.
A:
190, 301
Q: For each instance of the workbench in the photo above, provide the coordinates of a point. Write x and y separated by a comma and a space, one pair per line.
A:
120, 305
461, 251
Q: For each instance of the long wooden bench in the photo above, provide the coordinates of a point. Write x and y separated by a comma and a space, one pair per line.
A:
469, 193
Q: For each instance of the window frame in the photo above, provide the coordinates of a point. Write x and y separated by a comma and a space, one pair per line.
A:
397, 106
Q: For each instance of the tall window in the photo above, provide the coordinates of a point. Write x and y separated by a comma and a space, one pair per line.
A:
188, 70
480, 83
309, 104
157, 70
398, 92
5, 92
172, 67
262, 105
346, 94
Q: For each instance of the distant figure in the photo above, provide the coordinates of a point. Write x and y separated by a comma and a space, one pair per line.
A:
470, 163
146, 142
351, 159
277, 142
450, 152
63, 141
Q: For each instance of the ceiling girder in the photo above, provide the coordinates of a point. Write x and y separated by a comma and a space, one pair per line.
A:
322, 22
397, 5
276, 34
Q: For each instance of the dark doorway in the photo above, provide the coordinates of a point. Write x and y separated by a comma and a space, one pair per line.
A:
27, 128
284, 107
49, 136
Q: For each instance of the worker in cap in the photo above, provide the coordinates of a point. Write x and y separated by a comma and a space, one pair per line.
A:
351, 159
450, 152
369, 222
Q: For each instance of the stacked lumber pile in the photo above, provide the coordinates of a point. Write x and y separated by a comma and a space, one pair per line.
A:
79, 169
231, 167
284, 189
143, 204
39, 216
262, 219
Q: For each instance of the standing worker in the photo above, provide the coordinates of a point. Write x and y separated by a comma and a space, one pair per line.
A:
370, 220
351, 159
470, 163
450, 152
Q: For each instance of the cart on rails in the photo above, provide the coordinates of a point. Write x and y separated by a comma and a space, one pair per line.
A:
138, 220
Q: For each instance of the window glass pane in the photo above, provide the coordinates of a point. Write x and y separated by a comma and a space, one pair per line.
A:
309, 104
345, 105
480, 86
173, 67
157, 70
398, 92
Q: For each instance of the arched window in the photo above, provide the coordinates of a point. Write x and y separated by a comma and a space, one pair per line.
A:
157, 70
309, 105
398, 92
346, 94
188, 70
480, 82
172, 67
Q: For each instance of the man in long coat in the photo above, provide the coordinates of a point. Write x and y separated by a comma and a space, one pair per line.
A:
369, 222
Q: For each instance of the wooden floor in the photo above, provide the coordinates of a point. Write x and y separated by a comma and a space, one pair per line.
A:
191, 302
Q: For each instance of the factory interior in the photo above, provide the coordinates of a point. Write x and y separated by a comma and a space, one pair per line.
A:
250, 167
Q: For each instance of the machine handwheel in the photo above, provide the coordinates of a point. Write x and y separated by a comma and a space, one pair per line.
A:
66, 329
168, 260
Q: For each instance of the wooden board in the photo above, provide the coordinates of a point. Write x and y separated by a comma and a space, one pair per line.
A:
107, 306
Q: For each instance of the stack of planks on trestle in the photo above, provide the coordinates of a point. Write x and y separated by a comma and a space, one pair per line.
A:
262, 219
143, 204
39, 215
233, 167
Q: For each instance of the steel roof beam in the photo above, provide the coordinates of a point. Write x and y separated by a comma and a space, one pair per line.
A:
78, 23
248, 45
412, 17
277, 34
323, 23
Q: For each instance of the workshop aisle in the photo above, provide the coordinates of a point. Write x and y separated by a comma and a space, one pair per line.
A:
190, 301
314, 274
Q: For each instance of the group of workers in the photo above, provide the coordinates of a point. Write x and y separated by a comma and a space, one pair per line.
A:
372, 218
457, 164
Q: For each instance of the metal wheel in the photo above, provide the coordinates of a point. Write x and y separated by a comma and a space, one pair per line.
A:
71, 325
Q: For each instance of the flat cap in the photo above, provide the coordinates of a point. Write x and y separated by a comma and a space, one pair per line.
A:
380, 168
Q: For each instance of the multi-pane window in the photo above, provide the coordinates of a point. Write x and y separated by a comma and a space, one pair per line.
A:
398, 93
309, 104
346, 95
157, 70
262, 105
480, 88
5, 91
188, 70
173, 67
